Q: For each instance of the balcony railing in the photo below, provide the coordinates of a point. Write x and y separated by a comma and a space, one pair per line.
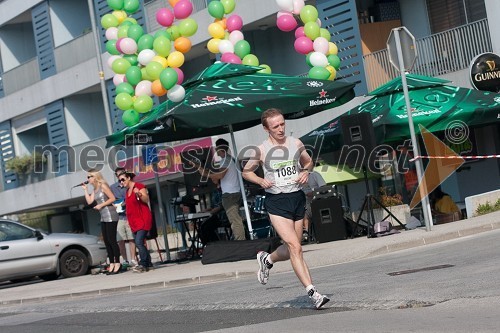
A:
438, 54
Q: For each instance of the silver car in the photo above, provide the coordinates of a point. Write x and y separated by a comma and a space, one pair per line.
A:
26, 252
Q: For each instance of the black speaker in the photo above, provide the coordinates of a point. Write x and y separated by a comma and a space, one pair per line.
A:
328, 219
359, 140
195, 184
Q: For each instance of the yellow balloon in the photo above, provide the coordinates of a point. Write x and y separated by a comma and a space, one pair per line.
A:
162, 60
213, 45
121, 15
175, 59
333, 72
216, 30
332, 48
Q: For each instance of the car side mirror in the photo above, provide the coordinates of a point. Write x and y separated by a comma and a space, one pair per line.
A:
38, 235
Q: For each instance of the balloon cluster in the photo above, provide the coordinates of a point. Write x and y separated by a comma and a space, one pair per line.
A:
310, 39
147, 65
227, 38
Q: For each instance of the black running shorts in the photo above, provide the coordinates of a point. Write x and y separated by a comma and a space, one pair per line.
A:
288, 205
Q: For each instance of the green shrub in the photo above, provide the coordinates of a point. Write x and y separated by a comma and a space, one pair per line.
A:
487, 208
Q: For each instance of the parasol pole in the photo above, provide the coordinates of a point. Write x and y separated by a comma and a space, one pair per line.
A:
242, 186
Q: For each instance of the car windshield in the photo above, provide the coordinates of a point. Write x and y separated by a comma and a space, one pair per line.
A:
12, 231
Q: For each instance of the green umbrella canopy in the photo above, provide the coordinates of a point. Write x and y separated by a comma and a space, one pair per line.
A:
236, 95
413, 82
342, 174
435, 108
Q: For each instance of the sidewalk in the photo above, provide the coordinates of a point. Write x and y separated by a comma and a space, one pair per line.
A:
193, 272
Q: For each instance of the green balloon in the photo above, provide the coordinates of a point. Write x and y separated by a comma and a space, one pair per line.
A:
320, 73
162, 46
168, 78
145, 42
124, 101
131, 20
162, 32
334, 61
265, 69
131, 6
216, 9
132, 58
250, 60
111, 47
115, 4
123, 31
145, 75
308, 59
125, 87
308, 13
325, 34
108, 21
242, 48
133, 75
131, 117
188, 27
135, 31
311, 29
127, 22
154, 69
174, 32
120, 66
228, 6
143, 104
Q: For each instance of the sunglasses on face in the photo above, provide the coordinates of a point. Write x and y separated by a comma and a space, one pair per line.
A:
122, 180
88, 177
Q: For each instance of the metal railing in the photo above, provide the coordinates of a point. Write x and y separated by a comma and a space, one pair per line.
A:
438, 54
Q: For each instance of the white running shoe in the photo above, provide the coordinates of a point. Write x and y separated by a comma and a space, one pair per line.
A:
264, 267
317, 299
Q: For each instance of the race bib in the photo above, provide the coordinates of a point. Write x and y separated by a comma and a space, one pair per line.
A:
285, 173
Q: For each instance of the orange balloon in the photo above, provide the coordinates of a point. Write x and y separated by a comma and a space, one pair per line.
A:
157, 88
182, 44
222, 22
173, 2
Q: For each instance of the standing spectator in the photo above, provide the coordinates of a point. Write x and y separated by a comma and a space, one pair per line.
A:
227, 176
139, 217
315, 180
124, 233
102, 199
286, 166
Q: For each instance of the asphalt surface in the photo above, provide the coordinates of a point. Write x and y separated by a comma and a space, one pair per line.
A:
171, 275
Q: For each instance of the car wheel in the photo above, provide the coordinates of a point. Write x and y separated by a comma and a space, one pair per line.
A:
49, 277
73, 263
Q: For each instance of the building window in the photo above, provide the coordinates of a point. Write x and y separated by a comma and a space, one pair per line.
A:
449, 14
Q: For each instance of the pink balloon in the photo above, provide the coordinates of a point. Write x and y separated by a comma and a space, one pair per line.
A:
165, 17
235, 36
118, 78
282, 12
303, 45
321, 45
183, 9
299, 32
143, 88
286, 23
234, 22
230, 58
118, 45
128, 45
112, 33
180, 75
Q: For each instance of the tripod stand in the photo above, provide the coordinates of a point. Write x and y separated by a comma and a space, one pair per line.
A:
367, 207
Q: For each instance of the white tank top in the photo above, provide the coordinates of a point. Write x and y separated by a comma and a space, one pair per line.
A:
282, 166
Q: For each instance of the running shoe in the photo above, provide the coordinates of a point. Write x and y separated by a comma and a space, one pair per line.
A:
317, 299
264, 267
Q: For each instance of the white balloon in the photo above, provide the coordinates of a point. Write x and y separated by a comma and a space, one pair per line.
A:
235, 36
320, 44
145, 56
112, 33
285, 5
176, 93
283, 12
111, 59
319, 22
118, 78
226, 46
318, 59
143, 88
297, 6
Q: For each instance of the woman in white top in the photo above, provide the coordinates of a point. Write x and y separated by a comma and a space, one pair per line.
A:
286, 166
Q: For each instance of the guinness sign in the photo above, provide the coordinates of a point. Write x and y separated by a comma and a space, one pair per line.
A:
485, 72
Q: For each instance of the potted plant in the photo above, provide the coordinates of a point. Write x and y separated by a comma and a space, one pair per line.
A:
25, 164
394, 204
